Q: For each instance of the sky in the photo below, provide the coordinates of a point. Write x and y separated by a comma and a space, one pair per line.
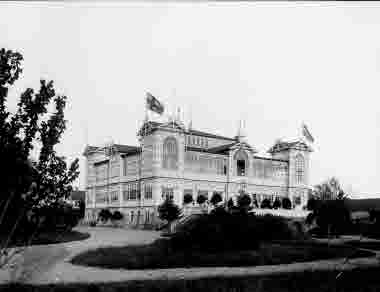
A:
274, 65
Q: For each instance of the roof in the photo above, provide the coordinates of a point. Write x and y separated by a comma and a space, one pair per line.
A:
127, 149
209, 135
151, 126
223, 149
282, 145
355, 205
78, 195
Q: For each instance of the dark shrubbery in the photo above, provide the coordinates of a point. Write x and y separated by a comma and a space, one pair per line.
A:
222, 230
286, 203
266, 204
168, 210
105, 215
187, 199
277, 204
201, 199
216, 198
116, 216
244, 202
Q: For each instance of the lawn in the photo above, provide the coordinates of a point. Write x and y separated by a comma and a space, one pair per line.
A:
159, 255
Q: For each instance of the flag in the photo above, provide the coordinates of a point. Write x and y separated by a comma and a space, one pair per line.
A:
306, 133
153, 104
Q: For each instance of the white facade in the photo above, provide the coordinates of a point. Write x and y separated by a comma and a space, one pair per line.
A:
173, 161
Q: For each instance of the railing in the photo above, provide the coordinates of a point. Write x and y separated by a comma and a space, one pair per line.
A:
292, 213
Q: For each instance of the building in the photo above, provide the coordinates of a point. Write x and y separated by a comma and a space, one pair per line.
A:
173, 161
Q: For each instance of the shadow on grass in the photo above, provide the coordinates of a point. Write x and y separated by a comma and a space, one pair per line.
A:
51, 237
365, 244
160, 255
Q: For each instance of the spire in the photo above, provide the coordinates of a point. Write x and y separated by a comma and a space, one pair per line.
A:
241, 131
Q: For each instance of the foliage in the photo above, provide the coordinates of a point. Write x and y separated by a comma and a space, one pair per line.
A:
313, 204
244, 202
332, 217
329, 189
216, 198
201, 199
230, 204
168, 210
277, 203
82, 209
29, 185
286, 203
117, 215
105, 215
187, 199
266, 204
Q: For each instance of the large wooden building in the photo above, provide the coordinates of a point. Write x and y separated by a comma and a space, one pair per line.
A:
173, 161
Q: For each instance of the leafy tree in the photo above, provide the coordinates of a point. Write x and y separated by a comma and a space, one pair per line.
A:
277, 203
116, 216
286, 203
105, 215
266, 204
329, 189
244, 202
28, 185
187, 199
216, 198
201, 199
168, 211
313, 204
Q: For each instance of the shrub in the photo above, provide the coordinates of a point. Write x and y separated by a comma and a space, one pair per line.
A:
313, 204
187, 199
168, 210
104, 215
243, 202
117, 215
216, 198
92, 223
286, 203
277, 204
266, 204
201, 199
230, 204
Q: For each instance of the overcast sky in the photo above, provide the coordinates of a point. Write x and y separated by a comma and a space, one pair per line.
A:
273, 64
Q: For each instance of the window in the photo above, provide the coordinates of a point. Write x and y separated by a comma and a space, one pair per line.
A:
299, 168
148, 194
170, 153
241, 163
130, 192
115, 168
101, 171
167, 193
101, 198
198, 141
124, 166
132, 216
114, 196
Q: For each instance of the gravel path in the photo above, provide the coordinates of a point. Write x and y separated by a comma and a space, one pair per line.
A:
50, 264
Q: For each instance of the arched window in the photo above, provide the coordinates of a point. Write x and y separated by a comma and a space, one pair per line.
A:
300, 168
241, 159
170, 154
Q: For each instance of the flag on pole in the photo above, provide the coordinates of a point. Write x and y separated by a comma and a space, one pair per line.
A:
153, 104
306, 133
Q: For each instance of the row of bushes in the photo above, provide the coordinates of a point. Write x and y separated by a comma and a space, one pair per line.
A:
217, 198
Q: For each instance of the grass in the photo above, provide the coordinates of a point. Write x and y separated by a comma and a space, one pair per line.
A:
50, 238
159, 255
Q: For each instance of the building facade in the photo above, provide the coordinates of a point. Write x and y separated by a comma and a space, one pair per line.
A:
173, 161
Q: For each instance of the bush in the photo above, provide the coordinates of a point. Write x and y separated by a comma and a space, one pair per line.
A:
201, 199
244, 202
116, 216
168, 210
277, 204
187, 199
92, 223
266, 204
216, 198
104, 215
286, 203
313, 204
230, 204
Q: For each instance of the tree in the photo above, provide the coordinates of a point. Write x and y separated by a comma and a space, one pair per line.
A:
230, 204
244, 202
216, 198
286, 203
201, 199
168, 211
105, 215
29, 185
117, 216
187, 199
329, 190
266, 204
277, 203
